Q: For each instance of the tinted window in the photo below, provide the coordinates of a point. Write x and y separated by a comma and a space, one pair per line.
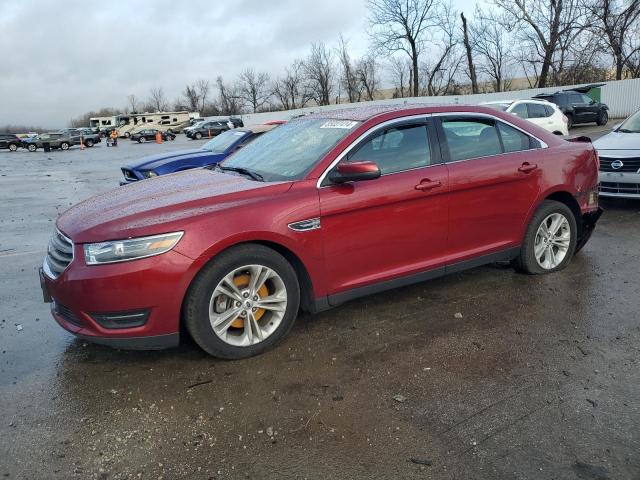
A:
575, 98
586, 99
520, 110
470, 138
537, 111
396, 149
513, 139
549, 110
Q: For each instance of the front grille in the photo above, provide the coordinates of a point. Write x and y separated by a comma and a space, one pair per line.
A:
59, 254
620, 188
129, 175
628, 164
67, 314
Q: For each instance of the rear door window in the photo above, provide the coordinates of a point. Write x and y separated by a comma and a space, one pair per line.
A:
520, 110
471, 138
537, 111
513, 140
396, 149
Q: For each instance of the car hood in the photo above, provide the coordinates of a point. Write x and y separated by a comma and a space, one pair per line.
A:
618, 141
162, 204
154, 161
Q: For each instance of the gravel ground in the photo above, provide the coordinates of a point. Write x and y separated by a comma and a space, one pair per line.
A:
480, 375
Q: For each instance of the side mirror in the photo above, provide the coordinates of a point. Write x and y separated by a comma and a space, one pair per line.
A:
354, 171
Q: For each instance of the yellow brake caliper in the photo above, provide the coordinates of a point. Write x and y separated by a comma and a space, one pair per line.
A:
242, 281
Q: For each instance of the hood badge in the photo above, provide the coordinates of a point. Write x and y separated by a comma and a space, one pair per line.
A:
305, 225
617, 164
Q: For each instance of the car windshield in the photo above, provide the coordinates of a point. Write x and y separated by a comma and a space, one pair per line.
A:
290, 151
222, 142
498, 106
631, 124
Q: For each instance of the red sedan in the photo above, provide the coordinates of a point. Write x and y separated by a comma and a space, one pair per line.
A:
323, 209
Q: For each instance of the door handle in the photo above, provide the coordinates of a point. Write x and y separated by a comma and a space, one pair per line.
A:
527, 167
426, 185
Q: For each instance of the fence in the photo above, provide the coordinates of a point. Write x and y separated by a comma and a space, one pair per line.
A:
622, 97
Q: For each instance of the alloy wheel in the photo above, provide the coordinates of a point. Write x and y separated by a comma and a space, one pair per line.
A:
247, 305
552, 241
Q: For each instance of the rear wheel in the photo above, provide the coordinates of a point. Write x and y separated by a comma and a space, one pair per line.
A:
603, 118
142, 140
89, 143
569, 121
550, 240
64, 146
127, 134
32, 147
197, 136
13, 147
243, 302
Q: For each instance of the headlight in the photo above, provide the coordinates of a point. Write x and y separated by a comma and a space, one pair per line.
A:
149, 174
130, 249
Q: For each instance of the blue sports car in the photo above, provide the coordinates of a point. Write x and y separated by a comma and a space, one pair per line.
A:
212, 152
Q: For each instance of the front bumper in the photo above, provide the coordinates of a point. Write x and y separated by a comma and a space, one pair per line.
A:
619, 184
155, 285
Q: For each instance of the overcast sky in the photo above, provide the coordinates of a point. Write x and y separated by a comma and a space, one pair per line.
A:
63, 58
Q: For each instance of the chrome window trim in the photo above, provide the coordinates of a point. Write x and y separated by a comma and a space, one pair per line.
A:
425, 116
371, 130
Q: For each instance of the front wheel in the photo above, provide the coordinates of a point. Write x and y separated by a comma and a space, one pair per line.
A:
32, 147
64, 146
550, 240
13, 147
142, 140
243, 302
603, 118
127, 134
197, 136
89, 143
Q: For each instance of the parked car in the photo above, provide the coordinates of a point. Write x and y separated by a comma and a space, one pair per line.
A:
149, 135
55, 140
321, 210
544, 114
620, 160
578, 106
212, 152
9, 141
206, 129
88, 136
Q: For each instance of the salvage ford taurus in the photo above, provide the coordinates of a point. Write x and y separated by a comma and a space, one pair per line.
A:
324, 209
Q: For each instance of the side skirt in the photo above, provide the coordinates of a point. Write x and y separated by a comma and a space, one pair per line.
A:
325, 303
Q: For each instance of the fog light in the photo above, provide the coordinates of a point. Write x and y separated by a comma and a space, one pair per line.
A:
121, 319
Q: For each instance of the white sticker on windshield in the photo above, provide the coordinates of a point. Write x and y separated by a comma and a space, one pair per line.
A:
346, 124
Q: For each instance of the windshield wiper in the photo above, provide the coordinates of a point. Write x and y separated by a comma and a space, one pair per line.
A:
242, 171
626, 130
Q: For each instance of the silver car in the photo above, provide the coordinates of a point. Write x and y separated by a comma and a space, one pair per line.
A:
619, 153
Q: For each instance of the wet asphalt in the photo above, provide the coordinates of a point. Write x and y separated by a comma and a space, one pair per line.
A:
486, 374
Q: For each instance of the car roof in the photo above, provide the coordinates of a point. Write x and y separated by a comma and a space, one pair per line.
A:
361, 114
255, 128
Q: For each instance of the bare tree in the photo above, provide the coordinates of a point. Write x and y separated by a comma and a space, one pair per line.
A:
440, 71
467, 46
401, 26
400, 70
157, 100
191, 98
132, 103
491, 43
289, 90
541, 24
367, 76
617, 21
203, 87
318, 72
229, 100
348, 77
254, 88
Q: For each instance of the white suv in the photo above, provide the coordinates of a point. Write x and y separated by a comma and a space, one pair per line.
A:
544, 114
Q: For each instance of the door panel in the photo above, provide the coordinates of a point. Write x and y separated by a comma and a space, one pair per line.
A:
382, 229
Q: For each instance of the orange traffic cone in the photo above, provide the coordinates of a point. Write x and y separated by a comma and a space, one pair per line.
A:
158, 137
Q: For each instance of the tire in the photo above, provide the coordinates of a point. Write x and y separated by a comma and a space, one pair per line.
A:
534, 240
127, 134
32, 147
197, 135
569, 121
172, 137
234, 340
142, 140
13, 147
603, 118
89, 143
64, 146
